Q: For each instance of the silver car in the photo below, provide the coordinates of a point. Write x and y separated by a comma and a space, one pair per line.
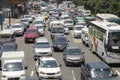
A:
73, 55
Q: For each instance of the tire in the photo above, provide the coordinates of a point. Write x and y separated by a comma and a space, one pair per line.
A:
82, 78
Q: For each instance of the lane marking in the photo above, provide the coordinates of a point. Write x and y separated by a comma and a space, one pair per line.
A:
73, 75
117, 72
32, 73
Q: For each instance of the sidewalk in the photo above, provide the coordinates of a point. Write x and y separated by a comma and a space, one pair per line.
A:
6, 22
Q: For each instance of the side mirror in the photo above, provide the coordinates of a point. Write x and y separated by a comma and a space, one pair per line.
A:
25, 67
83, 52
60, 65
33, 46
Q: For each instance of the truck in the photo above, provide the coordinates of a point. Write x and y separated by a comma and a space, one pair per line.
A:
57, 28
13, 65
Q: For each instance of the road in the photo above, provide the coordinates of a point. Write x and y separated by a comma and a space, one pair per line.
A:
68, 73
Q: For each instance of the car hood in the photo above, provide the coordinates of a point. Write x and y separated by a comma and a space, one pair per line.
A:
104, 78
77, 31
16, 29
50, 70
76, 57
31, 35
60, 43
43, 50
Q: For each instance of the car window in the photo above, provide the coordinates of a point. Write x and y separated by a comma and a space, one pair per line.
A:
48, 64
42, 45
32, 31
74, 52
17, 26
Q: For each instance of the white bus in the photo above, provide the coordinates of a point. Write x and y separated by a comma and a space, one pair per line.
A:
104, 40
108, 17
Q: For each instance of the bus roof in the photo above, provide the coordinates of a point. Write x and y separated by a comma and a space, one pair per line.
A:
104, 16
106, 25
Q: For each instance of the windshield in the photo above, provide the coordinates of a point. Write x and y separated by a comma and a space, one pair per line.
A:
16, 26
23, 20
48, 64
57, 30
68, 21
78, 28
32, 32
7, 48
42, 45
114, 42
74, 52
101, 73
38, 22
39, 27
15, 66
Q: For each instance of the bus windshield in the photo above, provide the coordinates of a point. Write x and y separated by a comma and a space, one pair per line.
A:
114, 42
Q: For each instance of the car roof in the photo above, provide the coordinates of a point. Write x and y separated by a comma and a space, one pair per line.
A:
47, 58
98, 65
41, 39
73, 47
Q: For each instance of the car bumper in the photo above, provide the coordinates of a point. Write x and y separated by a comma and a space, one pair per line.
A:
77, 35
75, 62
50, 77
30, 39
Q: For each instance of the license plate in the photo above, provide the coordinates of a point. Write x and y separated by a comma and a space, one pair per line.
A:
51, 77
30, 39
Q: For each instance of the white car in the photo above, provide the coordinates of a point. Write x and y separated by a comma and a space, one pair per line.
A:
42, 47
39, 21
69, 23
25, 21
18, 28
48, 68
29, 17
77, 31
66, 30
41, 29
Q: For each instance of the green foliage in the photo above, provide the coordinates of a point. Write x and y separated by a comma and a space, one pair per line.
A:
101, 6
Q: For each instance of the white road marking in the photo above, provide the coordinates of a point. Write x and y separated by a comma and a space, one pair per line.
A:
117, 72
75, 40
32, 73
73, 75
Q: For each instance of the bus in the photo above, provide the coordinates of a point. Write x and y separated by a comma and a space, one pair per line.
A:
108, 17
104, 40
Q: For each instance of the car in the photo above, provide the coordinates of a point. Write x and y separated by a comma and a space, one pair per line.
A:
69, 23
42, 47
41, 29
97, 71
31, 34
73, 55
25, 21
29, 18
40, 21
9, 46
77, 30
18, 28
48, 68
59, 43
66, 30
84, 36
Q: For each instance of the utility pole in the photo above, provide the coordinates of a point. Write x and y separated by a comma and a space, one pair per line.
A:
1, 18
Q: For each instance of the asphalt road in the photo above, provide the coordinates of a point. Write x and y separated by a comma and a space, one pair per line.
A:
68, 73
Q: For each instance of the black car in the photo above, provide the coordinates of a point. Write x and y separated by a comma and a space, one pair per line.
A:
97, 71
73, 55
9, 46
59, 43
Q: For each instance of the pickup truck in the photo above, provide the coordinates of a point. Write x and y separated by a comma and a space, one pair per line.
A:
97, 71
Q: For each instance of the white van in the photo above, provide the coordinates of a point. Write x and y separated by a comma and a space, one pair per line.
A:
84, 36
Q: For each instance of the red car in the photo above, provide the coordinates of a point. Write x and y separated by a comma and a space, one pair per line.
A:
31, 34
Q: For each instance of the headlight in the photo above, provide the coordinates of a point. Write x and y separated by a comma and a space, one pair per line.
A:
58, 72
23, 75
3, 76
42, 72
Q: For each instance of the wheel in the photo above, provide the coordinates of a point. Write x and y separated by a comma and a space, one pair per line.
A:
83, 41
82, 78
